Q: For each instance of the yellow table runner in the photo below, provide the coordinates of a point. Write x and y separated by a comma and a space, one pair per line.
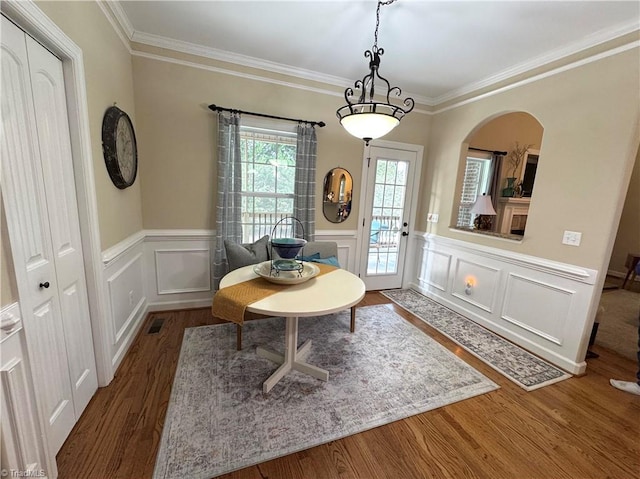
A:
231, 302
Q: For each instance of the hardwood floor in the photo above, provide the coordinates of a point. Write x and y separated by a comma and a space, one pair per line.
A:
580, 428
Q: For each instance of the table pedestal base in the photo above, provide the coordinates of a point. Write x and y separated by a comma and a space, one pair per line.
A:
293, 358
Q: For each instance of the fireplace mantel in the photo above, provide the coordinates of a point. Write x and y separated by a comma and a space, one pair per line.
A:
512, 215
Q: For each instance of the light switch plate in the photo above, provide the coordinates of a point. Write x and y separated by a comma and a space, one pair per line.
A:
432, 218
572, 238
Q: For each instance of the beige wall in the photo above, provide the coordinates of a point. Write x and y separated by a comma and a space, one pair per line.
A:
628, 236
177, 137
108, 72
502, 132
590, 120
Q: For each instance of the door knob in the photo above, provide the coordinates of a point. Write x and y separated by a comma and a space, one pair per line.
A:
44, 285
404, 233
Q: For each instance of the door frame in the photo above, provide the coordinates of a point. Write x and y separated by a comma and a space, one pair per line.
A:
34, 22
408, 271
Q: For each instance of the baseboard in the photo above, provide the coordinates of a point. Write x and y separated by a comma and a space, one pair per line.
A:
178, 305
621, 275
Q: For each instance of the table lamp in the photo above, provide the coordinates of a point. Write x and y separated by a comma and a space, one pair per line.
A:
483, 209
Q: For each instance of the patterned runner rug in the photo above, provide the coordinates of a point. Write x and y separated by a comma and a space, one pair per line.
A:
218, 419
523, 368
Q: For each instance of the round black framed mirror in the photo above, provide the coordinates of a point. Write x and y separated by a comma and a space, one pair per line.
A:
337, 193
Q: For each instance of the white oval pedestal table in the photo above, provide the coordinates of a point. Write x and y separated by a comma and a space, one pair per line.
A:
324, 294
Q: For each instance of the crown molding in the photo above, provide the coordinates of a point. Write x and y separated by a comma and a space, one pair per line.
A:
235, 58
226, 71
247, 61
249, 76
555, 71
120, 16
109, 10
593, 40
124, 27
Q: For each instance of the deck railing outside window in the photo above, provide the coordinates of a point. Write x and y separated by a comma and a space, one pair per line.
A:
256, 225
384, 231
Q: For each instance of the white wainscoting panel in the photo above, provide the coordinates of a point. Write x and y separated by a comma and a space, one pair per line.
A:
180, 268
347, 241
127, 298
435, 269
183, 270
476, 284
125, 294
542, 305
551, 315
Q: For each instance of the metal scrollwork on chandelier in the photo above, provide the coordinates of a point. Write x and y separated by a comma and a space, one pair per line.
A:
367, 118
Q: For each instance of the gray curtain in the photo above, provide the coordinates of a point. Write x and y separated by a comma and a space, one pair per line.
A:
228, 206
304, 208
494, 183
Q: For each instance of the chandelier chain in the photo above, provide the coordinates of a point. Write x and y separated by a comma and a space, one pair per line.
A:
364, 116
375, 37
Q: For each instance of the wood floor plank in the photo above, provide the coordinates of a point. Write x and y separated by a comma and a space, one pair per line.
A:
581, 428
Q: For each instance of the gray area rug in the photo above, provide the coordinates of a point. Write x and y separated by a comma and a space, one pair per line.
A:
523, 368
218, 419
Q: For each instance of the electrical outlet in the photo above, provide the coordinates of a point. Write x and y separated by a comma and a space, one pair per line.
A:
572, 238
432, 218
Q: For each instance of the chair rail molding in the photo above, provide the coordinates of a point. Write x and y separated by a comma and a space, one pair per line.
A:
542, 305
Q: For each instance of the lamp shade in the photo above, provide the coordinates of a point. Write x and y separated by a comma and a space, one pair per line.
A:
369, 125
483, 206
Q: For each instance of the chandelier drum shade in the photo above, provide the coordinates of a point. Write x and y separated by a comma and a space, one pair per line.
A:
364, 117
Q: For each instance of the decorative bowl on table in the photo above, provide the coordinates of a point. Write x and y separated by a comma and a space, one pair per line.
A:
288, 248
305, 272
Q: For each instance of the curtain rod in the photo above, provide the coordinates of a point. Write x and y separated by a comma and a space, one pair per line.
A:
263, 115
501, 153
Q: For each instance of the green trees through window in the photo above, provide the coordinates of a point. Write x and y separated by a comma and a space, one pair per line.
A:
268, 179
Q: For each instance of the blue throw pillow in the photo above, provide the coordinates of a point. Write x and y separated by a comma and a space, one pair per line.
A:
312, 257
332, 260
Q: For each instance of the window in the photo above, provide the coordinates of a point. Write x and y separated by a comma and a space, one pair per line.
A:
474, 184
268, 176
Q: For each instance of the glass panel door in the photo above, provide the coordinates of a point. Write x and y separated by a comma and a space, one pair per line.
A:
386, 227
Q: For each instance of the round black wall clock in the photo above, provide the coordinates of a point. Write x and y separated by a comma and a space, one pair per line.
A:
119, 147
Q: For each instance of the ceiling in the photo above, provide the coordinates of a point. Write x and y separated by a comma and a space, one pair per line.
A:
434, 51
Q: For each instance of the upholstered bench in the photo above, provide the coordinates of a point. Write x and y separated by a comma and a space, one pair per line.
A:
240, 255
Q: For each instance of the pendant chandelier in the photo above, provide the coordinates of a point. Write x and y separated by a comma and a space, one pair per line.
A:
367, 118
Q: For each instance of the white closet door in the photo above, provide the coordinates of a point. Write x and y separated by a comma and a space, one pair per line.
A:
47, 84
44, 233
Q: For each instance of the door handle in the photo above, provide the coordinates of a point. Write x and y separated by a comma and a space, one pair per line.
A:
404, 233
44, 285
